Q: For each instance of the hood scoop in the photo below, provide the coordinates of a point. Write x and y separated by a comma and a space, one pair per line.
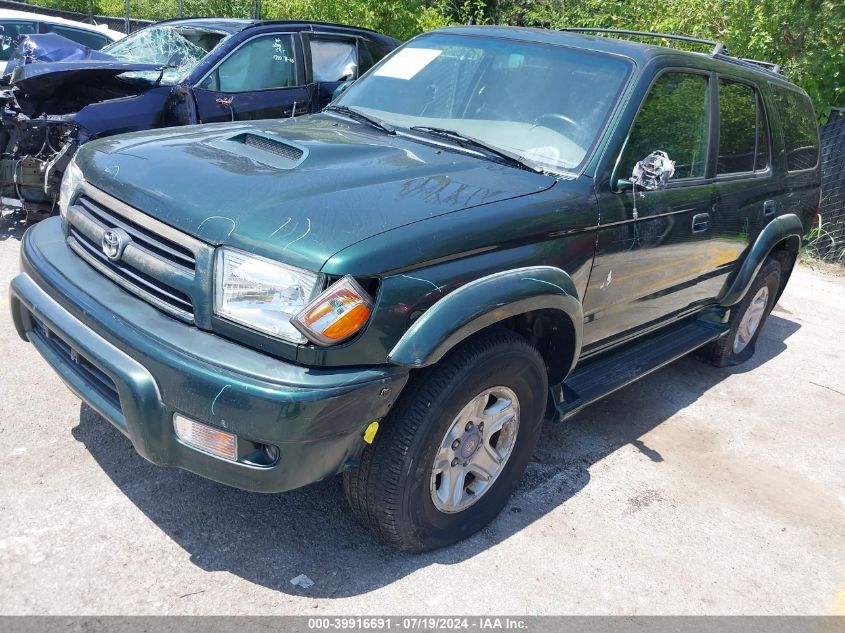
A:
264, 149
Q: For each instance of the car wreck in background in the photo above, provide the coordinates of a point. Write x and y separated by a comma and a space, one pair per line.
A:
61, 94
16, 24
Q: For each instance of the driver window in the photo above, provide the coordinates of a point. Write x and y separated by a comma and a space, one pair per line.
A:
263, 63
673, 119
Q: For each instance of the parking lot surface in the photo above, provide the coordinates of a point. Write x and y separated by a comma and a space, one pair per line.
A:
694, 491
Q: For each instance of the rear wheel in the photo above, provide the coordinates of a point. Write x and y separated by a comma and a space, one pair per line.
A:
451, 453
747, 319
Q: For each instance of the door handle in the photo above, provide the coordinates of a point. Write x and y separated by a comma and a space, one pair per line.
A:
700, 222
225, 102
770, 207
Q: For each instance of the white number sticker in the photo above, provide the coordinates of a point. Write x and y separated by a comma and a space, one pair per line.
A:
407, 63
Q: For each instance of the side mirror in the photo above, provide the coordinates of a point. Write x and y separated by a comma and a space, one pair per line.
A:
652, 172
342, 88
622, 184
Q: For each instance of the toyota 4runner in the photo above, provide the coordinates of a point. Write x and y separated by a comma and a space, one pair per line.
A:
493, 227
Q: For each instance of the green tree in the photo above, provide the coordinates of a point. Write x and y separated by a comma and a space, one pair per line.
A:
806, 37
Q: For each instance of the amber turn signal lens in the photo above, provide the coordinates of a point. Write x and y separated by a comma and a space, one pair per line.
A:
337, 314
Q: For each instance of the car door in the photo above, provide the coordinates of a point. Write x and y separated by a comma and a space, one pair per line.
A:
10, 34
261, 78
332, 60
744, 203
657, 264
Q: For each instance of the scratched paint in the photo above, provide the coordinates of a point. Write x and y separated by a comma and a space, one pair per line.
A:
219, 217
548, 283
431, 283
217, 397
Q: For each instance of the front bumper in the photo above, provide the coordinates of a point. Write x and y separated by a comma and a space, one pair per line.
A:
137, 367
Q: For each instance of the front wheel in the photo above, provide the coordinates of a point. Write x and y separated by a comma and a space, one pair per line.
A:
451, 453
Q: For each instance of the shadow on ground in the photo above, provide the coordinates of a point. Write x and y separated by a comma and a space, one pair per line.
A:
269, 539
12, 222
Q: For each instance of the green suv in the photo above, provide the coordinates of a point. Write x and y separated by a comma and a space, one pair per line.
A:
493, 227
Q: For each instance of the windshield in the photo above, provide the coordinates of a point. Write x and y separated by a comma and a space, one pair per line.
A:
179, 47
544, 103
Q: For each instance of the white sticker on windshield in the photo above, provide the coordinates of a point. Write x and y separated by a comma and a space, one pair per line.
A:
407, 63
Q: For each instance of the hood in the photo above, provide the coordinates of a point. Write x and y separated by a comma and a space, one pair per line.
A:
44, 63
299, 190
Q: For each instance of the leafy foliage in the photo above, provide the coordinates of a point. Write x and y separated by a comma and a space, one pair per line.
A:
806, 37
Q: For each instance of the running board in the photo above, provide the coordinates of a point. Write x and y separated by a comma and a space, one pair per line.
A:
610, 372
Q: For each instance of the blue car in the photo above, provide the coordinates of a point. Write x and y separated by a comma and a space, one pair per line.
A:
180, 72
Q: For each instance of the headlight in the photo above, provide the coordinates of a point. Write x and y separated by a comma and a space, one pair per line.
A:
71, 180
262, 294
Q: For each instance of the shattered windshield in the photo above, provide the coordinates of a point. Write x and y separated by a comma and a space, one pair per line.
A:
179, 48
546, 104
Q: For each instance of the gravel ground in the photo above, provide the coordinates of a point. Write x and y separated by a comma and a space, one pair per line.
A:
694, 491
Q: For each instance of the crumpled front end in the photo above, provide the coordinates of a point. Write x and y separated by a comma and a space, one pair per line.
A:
62, 94
36, 150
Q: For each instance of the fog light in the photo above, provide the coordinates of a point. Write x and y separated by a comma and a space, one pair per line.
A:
206, 438
272, 453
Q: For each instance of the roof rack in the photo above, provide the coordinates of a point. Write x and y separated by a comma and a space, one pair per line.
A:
718, 47
718, 50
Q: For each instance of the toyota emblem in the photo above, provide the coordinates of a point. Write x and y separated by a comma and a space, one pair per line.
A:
115, 242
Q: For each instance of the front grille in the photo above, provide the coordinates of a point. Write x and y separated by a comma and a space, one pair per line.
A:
172, 297
154, 244
91, 374
158, 263
263, 143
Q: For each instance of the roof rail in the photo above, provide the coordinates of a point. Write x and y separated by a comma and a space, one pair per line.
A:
718, 47
775, 68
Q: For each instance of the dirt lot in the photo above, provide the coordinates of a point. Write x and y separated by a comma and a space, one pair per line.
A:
694, 491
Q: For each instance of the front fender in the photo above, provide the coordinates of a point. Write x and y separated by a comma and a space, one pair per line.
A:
482, 303
782, 227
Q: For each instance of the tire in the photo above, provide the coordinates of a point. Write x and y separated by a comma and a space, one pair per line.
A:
395, 490
737, 346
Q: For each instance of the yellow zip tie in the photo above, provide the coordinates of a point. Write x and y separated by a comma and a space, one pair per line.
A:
370, 432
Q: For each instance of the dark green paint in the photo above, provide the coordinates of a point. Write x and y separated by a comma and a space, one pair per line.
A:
485, 302
356, 182
161, 366
786, 229
451, 243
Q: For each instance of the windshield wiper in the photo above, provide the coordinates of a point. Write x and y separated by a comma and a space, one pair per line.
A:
469, 141
360, 116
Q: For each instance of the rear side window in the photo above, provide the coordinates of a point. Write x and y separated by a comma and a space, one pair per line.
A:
86, 38
673, 119
800, 129
743, 134
333, 60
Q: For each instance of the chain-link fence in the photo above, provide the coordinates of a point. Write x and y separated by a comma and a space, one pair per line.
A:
828, 238
121, 24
